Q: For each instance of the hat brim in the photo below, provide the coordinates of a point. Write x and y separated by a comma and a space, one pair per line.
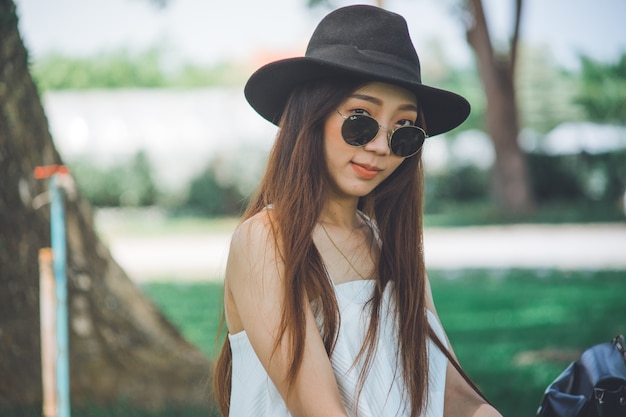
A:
269, 87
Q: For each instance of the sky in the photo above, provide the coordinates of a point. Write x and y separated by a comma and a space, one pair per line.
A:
208, 31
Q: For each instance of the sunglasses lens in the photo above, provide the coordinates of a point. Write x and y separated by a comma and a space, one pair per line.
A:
406, 141
358, 130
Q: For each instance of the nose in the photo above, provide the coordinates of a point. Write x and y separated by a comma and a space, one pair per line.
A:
380, 144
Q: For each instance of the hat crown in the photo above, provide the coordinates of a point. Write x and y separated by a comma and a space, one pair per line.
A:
369, 31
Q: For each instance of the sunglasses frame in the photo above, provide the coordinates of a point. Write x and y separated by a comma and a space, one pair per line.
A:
390, 133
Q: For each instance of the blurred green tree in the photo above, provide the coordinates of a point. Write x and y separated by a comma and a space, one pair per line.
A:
603, 91
123, 68
114, 69
207, 196
497, 69
128, 183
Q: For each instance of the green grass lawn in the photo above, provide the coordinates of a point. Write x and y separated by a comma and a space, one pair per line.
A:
514, 331
480, 213
196, 308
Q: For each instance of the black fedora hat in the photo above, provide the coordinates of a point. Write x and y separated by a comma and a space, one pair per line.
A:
365, 41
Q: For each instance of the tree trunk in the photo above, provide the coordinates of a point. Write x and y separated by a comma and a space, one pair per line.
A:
511, 183
121, 347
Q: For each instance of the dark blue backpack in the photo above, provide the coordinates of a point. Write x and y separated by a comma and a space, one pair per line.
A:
592, 386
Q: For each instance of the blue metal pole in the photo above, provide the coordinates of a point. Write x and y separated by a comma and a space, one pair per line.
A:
59, 249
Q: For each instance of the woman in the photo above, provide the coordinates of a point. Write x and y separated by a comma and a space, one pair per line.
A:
327, 302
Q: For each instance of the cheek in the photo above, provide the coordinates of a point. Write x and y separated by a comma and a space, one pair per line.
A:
334, 145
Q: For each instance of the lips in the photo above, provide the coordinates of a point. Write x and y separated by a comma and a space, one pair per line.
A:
365, 171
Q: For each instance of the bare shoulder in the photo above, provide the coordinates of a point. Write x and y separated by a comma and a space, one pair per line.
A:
253, 248
254, 237
253, 230
254, 268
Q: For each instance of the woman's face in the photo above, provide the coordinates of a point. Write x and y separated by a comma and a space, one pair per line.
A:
355, 171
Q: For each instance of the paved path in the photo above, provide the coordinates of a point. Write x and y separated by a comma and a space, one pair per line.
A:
517, 246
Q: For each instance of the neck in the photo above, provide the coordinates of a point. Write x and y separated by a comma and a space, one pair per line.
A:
341, 213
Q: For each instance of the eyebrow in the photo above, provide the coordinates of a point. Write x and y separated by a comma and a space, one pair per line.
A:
379, 102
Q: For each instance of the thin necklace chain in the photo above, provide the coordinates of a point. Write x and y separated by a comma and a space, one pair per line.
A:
340, 251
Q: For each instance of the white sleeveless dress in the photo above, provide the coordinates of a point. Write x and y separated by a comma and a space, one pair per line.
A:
254, 395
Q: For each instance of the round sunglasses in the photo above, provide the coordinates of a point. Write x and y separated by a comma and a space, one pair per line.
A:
360, 129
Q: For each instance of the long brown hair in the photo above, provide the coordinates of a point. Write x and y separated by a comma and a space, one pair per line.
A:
297, 162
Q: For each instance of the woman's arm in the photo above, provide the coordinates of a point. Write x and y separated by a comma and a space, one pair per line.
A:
460, 400
254, 287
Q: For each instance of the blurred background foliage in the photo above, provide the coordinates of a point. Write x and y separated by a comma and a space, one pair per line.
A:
125, 68
590, 185
125, 184
548, 96
603, 90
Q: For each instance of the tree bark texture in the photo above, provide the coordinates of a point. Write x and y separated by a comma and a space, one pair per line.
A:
121, 347
511, 184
